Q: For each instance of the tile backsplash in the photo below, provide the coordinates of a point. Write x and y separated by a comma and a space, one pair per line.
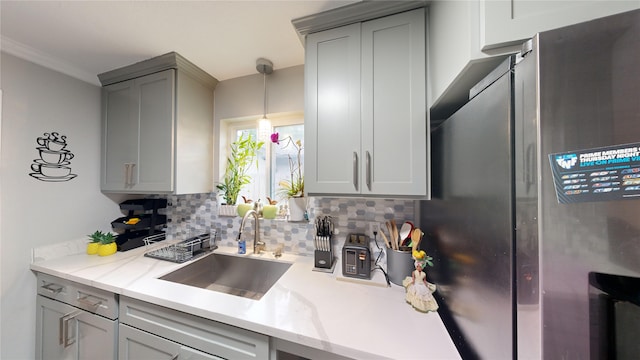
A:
197, 213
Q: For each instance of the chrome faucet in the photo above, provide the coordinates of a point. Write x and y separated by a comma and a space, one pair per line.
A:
258, 245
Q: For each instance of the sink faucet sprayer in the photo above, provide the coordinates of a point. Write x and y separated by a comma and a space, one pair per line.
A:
258, 245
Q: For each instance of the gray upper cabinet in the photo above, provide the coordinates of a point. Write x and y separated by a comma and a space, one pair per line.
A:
366, 129
468, 39
158, 128
511, 22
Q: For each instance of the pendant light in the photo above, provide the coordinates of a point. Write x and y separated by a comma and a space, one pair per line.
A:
264, 67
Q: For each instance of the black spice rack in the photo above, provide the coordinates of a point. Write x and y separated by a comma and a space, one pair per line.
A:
132, 232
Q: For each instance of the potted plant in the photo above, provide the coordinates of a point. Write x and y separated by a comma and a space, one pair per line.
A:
92, 246
292, 189
243, 153
108, 245
270, 209
102, 244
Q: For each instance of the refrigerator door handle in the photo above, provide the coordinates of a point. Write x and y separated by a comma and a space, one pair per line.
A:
530, 167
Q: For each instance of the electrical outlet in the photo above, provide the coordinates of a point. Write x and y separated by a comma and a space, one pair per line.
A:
374, 227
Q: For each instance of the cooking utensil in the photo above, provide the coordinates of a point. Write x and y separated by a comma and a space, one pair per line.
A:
396, 236
405, 231
386, 240
391, 239
416, 237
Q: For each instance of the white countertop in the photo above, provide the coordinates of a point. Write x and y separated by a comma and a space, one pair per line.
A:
307, 307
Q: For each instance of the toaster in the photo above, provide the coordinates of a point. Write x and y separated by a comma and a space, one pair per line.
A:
356, 257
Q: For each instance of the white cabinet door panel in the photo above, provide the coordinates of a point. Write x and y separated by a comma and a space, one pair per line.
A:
96, 337
332, 111
394, 131
89, 336
156, 118
120, 134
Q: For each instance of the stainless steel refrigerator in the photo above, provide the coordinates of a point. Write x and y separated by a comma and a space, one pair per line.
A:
534, 222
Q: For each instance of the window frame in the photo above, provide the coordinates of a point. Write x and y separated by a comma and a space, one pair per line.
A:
232, 126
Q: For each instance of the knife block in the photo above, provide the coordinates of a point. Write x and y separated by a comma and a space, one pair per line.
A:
323, 254
323, 259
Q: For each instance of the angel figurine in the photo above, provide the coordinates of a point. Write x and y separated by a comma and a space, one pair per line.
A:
419, 291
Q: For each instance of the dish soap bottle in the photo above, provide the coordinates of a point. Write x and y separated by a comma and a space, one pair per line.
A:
242, 246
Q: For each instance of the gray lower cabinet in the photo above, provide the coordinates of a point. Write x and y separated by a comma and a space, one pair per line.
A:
65, 332
137, 344
74, 321
149, 331
286, 350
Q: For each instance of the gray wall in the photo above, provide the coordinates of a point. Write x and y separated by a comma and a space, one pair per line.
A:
243, 99
35, 213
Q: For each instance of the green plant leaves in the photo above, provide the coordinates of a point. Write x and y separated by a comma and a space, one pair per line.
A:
243, 154
101, 237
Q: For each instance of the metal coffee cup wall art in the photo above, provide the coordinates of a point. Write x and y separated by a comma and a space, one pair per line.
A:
54, 162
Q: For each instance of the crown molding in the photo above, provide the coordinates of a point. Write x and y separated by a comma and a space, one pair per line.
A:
171, 60
33, 55
350, 14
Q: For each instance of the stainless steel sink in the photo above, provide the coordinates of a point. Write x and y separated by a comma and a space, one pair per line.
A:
241, 276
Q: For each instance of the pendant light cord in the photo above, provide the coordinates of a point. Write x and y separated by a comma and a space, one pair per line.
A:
264, 112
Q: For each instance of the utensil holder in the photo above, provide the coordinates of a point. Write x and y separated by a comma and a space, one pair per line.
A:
399, 265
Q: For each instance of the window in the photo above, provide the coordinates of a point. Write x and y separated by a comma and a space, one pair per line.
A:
273, 159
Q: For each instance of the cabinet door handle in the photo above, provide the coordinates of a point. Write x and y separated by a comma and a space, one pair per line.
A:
368, 161
131, 172
127, 170
128, 174
64, 328
355, 170
53, 288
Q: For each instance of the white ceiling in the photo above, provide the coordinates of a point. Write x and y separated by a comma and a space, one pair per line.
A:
225, 38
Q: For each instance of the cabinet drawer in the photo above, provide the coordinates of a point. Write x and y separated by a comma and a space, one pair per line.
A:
85, 297
205, 335
136, 344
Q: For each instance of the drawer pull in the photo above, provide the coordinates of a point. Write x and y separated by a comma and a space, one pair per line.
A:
85, 301
53, 288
